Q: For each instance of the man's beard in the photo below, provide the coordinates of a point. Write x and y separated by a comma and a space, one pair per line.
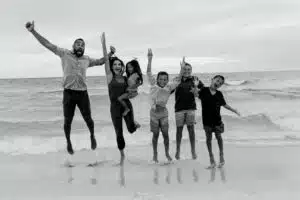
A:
78, 52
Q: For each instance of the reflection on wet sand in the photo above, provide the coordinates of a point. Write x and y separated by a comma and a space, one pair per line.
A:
70, 174
161, 175
213, 174
122, 176
157, 172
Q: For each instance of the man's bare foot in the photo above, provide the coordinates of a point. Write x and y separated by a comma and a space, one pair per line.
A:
194, 156
211, 166
212, 163
155, 160
177, 155
169, 157
127, 110
137, 125
93, 143
222, 162
70, 148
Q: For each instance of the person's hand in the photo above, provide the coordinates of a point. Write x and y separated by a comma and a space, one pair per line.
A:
195, 91
112, 50
182, 63
196, 81
150, 54
30, 26
238, 113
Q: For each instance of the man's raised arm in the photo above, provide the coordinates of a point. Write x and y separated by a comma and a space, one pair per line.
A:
42, 40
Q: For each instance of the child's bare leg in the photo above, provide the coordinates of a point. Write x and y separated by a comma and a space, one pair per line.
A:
209, 148
178, 141
166, 143
220, 144
191, 131
154, 145
121, 100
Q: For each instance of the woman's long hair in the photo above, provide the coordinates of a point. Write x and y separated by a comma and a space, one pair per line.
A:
111, 63
136, 69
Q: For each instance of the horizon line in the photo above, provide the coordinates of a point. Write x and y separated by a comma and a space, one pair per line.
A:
255, 71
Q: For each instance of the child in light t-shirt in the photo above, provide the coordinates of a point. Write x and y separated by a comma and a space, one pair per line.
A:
160, 91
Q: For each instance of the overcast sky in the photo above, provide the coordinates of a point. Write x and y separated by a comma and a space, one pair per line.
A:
214, 35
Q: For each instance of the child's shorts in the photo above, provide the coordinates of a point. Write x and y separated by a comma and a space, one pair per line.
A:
219, 129
159, 121
185, 117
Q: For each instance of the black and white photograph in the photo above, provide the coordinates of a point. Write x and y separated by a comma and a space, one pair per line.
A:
150, 100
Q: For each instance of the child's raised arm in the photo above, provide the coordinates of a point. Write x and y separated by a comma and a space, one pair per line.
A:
151, 79
176, 81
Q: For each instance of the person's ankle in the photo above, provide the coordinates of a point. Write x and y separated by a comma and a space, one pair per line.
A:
222, 159
212, 159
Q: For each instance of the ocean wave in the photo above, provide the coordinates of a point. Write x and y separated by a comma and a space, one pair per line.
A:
35, 145
275, 93
255, 122
45, 128
237, 82
54, 121
51, 92
257, 129
255, 119
59, 93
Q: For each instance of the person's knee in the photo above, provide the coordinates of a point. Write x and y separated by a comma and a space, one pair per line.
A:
208, 137
218, 136
165, 136
120, 142
191, 128
88, 119
179, 129
68, 121
155, 135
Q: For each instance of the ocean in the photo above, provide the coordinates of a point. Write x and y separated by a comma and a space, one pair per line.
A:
31, 114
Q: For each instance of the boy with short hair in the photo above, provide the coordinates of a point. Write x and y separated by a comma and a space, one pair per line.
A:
160, 91
211, 100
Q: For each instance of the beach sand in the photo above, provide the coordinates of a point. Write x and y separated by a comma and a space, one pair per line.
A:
249, 173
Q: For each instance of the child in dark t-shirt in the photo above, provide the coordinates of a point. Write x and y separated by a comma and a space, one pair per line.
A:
211, 100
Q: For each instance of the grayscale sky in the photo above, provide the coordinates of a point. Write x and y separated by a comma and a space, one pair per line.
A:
214, 35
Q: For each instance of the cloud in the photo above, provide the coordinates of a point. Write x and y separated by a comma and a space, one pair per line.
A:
259, 34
